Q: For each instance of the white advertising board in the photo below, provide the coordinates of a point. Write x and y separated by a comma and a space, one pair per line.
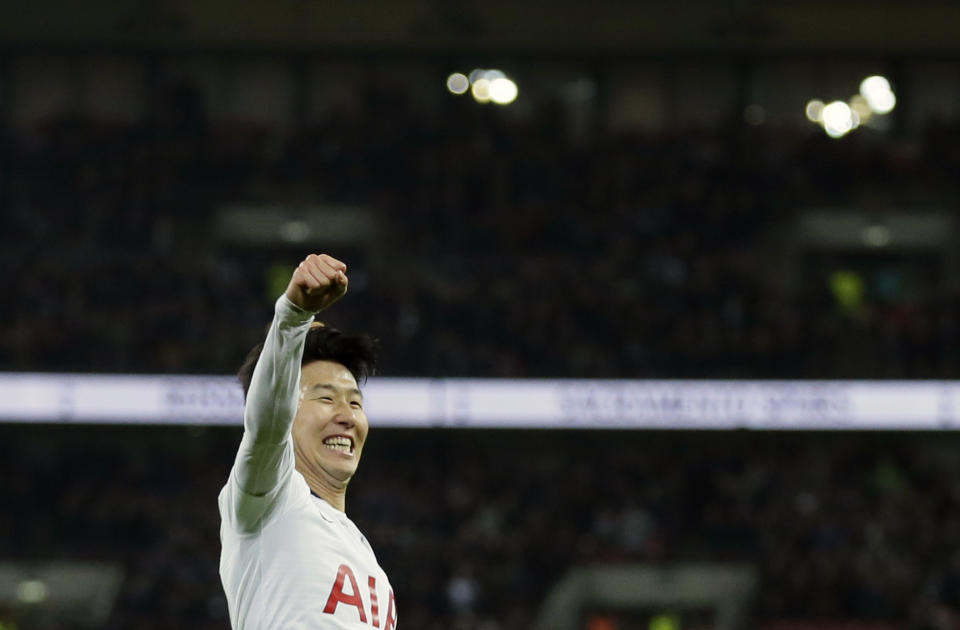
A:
492, 403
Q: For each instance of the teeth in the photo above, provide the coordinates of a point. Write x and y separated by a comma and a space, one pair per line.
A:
338, 443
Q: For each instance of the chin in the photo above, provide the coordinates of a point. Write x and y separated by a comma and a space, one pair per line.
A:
341, 473
345, 476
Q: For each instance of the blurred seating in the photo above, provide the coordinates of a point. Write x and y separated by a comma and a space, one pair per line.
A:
840, 527
510, 251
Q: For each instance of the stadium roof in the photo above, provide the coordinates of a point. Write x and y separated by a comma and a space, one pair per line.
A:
614, 26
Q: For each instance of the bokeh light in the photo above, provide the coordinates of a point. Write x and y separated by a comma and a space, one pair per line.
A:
848, 288
876, 90
814, 111
874, 85
295, 231
837, 119
481, 90
503, 91
458, 83
861, 108
32, 591
883, 103
877, 235
484, 85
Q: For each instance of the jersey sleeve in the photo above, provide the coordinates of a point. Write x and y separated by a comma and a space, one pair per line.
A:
265, 460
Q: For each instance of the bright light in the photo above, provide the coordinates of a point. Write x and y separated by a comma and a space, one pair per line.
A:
481, 90
458, 83
874, 85
815, 111
837, 119
876, 90
490, 85
503, 91
479, 73
31, 591
883, 103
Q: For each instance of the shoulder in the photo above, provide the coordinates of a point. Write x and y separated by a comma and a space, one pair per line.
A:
249, 514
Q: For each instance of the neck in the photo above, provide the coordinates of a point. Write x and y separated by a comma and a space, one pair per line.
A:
322, 485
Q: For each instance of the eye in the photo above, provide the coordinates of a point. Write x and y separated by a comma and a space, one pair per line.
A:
326, 399
356, 404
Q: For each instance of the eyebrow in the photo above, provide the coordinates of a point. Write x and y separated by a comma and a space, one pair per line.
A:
335, 389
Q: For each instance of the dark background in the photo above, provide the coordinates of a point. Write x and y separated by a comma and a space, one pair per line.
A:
655, 204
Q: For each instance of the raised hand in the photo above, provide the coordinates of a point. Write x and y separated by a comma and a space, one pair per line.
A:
317, 282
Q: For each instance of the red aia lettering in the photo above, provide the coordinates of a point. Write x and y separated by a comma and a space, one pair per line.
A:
374, 606
391, 622
337, 596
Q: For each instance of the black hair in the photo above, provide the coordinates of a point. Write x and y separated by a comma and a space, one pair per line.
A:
357, 353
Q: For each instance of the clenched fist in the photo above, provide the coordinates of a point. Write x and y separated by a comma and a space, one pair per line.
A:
318, 282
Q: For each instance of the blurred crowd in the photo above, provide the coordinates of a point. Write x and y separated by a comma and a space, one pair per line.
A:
503, 248
839, 527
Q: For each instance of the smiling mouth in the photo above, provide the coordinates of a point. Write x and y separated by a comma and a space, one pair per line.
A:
339, 443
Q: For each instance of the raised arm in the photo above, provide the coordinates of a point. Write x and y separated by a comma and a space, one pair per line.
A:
265, 457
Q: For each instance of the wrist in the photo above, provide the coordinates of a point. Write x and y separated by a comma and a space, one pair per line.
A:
293, 312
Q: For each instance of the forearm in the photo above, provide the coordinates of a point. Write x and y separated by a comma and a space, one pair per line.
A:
272, 399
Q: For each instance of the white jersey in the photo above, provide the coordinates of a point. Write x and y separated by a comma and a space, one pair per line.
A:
290, 560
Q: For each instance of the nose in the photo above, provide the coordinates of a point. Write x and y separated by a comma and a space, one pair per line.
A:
345, 416
345, 421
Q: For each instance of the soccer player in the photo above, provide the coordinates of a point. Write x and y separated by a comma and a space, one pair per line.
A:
290, 557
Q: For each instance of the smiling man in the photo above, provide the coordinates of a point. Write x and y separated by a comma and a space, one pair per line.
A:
290, 558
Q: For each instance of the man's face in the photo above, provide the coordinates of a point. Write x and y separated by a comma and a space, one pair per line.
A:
330, 426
